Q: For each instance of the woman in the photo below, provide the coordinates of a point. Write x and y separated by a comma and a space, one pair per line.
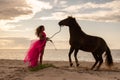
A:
37, 48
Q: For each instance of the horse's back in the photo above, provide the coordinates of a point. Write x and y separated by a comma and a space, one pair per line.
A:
88, 43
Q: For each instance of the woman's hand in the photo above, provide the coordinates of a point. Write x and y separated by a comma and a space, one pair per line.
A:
48, 39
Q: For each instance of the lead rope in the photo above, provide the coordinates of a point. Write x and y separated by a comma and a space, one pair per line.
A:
55, 33
52, 37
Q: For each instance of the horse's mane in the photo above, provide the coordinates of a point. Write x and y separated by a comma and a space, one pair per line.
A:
77, 26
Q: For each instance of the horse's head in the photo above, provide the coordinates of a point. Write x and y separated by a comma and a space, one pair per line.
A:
67, 21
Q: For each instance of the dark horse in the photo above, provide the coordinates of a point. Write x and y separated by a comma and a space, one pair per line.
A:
80, 40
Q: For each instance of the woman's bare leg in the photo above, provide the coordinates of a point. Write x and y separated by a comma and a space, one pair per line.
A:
41, 57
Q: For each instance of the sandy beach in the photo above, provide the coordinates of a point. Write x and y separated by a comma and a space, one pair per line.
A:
17, 70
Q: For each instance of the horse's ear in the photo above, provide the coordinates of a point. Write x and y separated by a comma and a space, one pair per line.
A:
69, 16
73, 17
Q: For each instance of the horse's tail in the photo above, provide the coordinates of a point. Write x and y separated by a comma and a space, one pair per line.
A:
109, 60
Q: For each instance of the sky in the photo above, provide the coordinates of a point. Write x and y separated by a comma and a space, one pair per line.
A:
20, 18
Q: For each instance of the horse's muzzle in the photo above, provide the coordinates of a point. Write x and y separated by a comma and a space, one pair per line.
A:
60, 24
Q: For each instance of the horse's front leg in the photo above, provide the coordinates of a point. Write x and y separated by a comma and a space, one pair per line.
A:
75, 55
70, 52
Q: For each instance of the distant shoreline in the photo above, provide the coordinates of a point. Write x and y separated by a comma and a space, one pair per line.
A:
54, 55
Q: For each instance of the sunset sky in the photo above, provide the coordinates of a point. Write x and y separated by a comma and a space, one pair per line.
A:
19, 19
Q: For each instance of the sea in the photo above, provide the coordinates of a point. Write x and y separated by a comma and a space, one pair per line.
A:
55, 55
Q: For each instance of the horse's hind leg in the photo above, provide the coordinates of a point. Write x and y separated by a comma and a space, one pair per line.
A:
75, 55
100, 62
96, 59
70, 52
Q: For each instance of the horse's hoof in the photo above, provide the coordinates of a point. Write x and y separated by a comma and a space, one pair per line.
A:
92, 68
77, 65
71, 64
97, 69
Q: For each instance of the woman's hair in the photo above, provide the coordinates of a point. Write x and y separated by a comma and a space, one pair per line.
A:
38, 30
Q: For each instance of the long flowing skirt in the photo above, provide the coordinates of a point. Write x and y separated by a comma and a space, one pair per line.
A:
34, 52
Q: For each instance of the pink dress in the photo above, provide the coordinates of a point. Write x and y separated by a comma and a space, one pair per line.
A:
34, 51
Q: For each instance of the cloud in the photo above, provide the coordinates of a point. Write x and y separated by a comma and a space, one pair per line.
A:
55, 1
4, 26
38, 6
14, 43
11, 9
16, 10
104, 16
24, 43
106, 12
25, 9
113, 5
59, 2
55, 16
